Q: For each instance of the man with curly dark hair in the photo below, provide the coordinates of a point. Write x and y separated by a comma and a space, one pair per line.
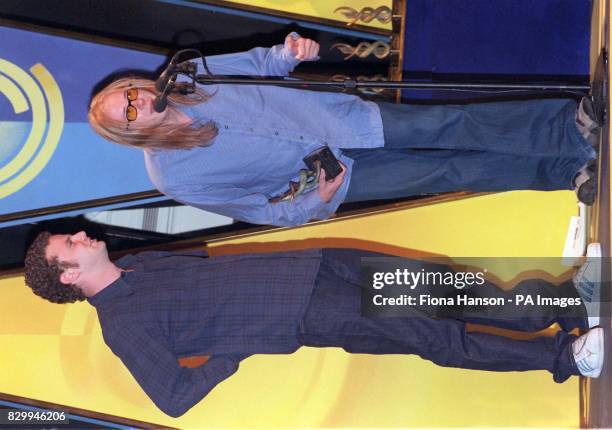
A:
156, 307
43, 275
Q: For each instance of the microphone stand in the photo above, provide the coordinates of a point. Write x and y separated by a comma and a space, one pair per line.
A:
189, 69
404, 84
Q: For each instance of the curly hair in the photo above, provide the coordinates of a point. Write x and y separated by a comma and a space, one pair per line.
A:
43, 275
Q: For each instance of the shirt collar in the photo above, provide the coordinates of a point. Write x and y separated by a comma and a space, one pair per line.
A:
117, 289
120, 287
196, 113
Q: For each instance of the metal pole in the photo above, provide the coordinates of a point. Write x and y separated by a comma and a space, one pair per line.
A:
351, 84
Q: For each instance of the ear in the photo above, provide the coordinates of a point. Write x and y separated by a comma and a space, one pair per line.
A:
69, 276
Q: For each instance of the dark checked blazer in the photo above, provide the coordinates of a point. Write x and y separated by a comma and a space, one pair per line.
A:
179, 305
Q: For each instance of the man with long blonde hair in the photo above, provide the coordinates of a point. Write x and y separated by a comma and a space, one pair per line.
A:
232, 149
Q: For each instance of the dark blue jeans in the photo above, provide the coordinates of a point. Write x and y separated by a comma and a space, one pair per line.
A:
497, 146
333, 318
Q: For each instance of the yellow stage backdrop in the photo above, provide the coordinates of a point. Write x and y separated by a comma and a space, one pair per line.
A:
369, 10
56, 352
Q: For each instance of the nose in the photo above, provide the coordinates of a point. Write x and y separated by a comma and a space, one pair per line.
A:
81, 235
139, 102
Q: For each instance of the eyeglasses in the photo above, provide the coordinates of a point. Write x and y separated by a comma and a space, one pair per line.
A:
131, 113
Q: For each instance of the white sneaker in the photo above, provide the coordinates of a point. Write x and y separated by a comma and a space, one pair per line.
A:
588, 352
587, 282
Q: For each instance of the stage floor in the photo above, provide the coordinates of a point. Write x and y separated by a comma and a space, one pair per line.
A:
595, 396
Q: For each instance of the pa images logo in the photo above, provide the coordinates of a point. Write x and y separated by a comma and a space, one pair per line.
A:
32, 132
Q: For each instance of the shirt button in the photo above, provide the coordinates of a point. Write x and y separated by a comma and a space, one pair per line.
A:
251, 129
276, 133
301, 137
226, 127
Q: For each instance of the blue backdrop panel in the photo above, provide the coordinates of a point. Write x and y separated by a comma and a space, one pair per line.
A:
82, 166
498, 37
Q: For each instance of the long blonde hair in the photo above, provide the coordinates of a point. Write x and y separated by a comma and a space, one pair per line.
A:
164, 136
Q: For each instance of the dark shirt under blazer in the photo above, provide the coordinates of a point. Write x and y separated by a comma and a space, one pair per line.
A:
179, 305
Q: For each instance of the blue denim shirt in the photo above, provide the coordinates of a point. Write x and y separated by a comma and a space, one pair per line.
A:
264, 132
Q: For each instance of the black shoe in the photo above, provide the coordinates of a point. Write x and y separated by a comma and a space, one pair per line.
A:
587, 123
596, 107
587, 191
